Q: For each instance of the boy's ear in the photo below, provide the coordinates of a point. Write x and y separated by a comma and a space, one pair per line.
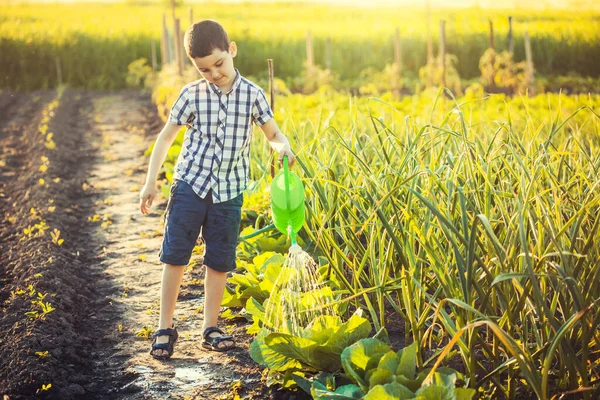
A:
233, 49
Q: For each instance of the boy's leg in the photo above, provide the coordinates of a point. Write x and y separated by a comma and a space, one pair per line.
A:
214, 286
220, 234
170, 285
184, 217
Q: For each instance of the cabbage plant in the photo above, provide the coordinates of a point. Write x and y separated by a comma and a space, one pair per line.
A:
379, 373
318, 348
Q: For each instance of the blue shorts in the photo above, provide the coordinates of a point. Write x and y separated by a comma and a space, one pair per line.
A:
186, 214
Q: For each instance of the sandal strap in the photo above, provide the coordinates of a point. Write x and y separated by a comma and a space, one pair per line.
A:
163, 346
164, 332
210, 330
218, 339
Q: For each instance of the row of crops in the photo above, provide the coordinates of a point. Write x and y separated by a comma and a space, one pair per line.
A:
473, 222
93, 44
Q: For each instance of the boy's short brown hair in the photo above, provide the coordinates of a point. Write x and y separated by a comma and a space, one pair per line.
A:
203, 37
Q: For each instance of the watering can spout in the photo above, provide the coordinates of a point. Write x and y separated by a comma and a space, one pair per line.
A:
291, 233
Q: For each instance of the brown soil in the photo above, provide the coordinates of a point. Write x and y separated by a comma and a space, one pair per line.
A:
103, 281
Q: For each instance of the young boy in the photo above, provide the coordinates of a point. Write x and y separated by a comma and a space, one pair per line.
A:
210, 176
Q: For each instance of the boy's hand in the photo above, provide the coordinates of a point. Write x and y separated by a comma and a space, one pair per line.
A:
147, 196
291, 157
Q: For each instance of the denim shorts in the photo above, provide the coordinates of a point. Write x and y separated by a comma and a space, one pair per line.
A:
186, 214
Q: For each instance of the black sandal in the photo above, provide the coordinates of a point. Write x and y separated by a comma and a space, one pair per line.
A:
173, 335
212, 343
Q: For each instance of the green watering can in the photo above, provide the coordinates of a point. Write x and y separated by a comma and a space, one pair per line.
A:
287, 202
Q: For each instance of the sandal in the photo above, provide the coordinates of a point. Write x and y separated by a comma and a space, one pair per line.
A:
212, 343
173, 335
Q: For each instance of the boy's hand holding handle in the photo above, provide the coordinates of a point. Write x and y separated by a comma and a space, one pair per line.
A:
286, 151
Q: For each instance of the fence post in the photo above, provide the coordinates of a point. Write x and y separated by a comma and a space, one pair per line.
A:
443, 50
493, 47
177, 39
164, 42
272, 92
429, 40
398, 50
328, 53
191, 16
397, 62
510, 36
153, 46
58, 71
530, 76
310, 60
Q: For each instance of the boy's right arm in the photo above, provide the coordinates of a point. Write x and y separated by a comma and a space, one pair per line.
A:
165, 139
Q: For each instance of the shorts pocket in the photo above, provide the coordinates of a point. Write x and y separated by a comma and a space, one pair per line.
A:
172, 192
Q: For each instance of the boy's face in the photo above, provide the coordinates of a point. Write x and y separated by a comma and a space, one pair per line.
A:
218, 66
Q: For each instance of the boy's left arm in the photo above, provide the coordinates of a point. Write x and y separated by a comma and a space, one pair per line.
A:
278, 141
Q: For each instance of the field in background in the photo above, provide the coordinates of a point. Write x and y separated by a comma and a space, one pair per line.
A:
94, 44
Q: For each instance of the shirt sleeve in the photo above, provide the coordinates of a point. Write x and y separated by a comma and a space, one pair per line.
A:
182, 111
261, 110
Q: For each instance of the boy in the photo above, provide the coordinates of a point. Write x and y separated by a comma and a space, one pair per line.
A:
210, 176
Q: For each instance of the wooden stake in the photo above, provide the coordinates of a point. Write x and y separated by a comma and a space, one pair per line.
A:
191, 16
165, 47
328, 53
429, 40
272, 92
182, 55
153, 46
511, 45
397, 61
443, 50
530, 76
58, 71
177, 39
398, 50
492, 46
310, 59
163, 57
171, 42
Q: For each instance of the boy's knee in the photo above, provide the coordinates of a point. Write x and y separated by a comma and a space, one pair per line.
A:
175, 266
214, 271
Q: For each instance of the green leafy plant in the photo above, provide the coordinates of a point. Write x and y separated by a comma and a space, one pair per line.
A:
264, 279
266, 242
380, 373
317, 349
433, 74
500, 71
139, 74
257, 280
145, 333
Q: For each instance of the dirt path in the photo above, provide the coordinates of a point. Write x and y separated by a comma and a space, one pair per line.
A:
104, 280
129, 245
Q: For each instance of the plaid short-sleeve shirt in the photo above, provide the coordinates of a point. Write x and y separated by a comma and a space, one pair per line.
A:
216, 149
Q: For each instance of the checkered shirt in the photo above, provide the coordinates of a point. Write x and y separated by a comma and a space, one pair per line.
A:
215, 153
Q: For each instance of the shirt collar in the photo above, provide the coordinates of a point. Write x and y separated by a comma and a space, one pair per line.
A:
236, 82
